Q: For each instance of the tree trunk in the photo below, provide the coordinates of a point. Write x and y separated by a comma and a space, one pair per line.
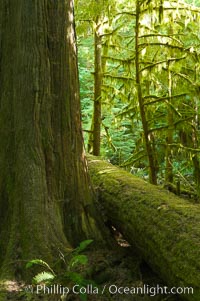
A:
147, 136
97, 89
170, 130
195, 144
163, 227
45, 194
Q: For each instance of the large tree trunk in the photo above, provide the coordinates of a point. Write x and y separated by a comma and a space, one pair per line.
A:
163, 227
45, 195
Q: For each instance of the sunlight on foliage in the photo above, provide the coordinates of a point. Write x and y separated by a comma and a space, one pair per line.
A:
168, 56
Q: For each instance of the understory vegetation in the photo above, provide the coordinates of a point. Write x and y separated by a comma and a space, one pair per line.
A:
139, 78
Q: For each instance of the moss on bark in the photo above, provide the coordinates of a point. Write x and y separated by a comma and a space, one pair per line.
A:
163, 227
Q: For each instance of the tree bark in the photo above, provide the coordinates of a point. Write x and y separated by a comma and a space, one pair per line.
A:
45, 194
147, 136
97, 88
169, 176
163, 227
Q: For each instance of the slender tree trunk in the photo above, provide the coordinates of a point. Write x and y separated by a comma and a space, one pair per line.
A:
147, 137
45, 194
100, 53
170, 132
97, 90
195, 144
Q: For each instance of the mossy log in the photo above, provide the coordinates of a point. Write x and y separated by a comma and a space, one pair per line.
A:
163, 227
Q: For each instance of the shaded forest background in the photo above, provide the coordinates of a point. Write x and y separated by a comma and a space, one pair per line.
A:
139, 79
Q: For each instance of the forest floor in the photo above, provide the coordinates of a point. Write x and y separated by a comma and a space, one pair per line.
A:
109, 271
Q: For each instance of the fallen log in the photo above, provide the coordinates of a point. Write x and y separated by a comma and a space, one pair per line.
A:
163, 227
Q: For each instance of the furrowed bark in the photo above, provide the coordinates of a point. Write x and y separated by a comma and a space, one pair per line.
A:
46, 200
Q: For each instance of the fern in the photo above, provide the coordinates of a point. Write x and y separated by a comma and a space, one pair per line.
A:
39, 262
75, 259
43, 277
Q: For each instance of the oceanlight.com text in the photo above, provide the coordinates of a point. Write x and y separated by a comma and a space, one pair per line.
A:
151, 290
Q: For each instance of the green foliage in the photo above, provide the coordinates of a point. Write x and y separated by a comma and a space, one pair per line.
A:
41, 263
45, 277
169, 76
83, 245
77, 260
72, 260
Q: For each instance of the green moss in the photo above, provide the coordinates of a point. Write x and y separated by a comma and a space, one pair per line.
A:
165, 228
